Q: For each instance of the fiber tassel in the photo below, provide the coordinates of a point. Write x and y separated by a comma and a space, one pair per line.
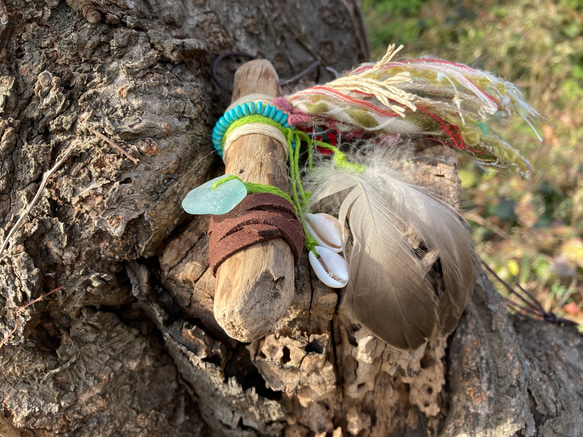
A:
424, 96
404, 241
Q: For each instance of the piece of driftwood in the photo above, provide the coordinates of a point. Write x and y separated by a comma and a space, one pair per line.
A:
130, 346
254, 287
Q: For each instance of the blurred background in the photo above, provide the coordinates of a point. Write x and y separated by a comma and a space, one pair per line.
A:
530, 231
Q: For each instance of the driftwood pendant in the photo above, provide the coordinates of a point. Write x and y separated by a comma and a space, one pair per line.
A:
255, 286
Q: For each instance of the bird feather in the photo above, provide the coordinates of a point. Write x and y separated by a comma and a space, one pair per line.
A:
391, 291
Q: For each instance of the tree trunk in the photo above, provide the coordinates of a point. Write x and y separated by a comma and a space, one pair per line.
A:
129, 344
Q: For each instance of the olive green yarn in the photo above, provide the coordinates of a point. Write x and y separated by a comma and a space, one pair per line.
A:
317, 108
363, 118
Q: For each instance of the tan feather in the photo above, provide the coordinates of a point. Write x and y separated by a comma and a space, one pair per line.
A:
394, 224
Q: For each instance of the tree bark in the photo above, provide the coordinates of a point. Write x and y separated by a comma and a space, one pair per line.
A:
129, 345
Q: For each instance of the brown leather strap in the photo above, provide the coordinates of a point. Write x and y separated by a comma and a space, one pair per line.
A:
259, 217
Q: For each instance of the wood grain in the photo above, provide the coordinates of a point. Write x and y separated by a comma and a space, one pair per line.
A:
255, 286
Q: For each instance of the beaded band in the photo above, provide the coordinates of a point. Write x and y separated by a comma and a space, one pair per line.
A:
242, 111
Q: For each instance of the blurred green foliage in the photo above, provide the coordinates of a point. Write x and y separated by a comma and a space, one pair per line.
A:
529, 230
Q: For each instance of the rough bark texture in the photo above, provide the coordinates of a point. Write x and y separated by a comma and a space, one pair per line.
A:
130, 346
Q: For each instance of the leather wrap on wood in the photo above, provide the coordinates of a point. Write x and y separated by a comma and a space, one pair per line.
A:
259, 217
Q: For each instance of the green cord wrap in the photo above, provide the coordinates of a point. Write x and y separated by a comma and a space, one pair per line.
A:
253, 187
255, 119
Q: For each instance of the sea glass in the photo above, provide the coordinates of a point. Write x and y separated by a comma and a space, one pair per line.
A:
221, 200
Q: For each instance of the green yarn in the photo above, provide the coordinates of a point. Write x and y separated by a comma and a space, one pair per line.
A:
255, 119
317, 108
298, 192
470, 135
311, 244
340, 158
296, 183
223, 180
253, 188
363, 118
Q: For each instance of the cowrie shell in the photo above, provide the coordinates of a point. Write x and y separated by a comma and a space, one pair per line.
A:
326, 230
330, 267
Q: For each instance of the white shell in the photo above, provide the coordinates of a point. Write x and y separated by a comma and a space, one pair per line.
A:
326, 230
330, 268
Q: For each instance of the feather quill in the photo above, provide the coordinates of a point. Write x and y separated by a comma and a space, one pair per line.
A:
391, 289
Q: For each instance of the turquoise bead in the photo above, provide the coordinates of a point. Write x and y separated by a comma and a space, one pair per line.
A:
243, 110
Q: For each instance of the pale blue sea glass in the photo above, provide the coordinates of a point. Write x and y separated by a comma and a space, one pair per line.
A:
221, 200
